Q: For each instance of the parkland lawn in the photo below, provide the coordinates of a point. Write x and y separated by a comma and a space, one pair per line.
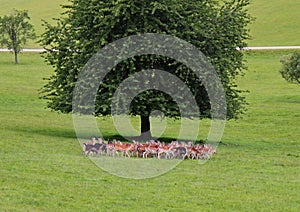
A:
277, 22
257, 167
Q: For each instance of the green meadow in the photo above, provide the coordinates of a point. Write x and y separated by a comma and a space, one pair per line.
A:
37, 10
277, 22
256, 167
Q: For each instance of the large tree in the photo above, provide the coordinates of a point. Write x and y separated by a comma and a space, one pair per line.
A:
15, 30
216, 28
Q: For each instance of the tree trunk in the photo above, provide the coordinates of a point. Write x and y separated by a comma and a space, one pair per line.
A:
16, 57
145, 128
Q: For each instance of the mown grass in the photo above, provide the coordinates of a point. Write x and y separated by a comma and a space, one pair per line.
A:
37, 10
276, 23
256, 168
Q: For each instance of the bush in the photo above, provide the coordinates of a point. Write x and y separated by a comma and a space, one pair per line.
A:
291, 67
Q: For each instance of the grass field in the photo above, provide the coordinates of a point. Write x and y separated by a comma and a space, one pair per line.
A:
277, 23
38, 10
256, 168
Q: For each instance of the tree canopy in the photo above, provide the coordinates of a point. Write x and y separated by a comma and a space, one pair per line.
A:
216, 28
15, 30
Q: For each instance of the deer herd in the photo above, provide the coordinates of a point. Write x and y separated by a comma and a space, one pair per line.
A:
155, 149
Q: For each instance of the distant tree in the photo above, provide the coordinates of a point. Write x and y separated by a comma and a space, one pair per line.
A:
215, 28
290, 69
15, 30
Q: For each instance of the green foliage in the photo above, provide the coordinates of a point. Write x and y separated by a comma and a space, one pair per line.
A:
291, 67
15, 29
215, 29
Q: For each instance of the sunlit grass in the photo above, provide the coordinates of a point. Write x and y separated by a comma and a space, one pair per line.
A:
256, 167
276, 23
37, 10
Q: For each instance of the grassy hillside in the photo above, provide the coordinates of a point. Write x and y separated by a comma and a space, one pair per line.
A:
277, 22
38, 10
256, 168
